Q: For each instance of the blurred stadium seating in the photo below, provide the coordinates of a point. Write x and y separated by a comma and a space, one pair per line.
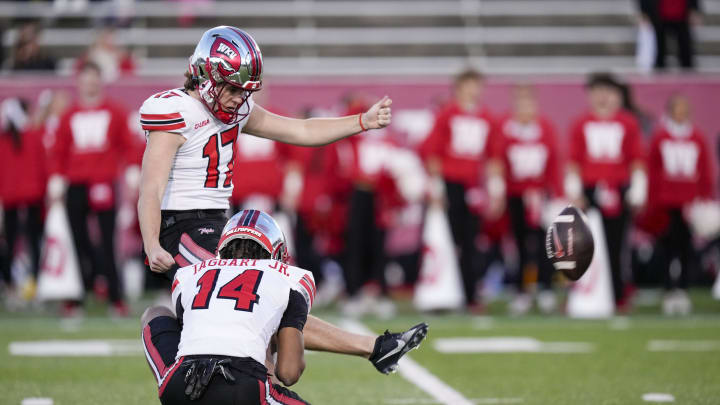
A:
369, 37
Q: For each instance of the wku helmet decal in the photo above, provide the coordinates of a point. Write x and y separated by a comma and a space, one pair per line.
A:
228, 53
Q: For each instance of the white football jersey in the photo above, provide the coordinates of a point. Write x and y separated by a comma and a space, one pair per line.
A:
233, 307
201, 175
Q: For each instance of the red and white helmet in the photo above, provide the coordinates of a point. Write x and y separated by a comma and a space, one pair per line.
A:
258, 226
226, 55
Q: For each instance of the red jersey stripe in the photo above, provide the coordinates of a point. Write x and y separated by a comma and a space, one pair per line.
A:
282, 398
174, 284
309, 290
169, 375
310, 281
194, 248
153, 352
181, 261
160, 117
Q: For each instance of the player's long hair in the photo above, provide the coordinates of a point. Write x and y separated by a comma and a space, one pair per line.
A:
244, 249
191, 82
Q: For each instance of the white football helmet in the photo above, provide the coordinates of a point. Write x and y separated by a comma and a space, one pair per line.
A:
258, 226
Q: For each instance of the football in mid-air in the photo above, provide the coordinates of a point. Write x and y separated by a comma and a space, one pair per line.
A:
569, 243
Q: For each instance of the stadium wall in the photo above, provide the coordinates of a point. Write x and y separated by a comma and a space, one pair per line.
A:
561, 97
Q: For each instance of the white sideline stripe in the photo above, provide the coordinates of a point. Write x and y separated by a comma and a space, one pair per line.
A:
508, 345
566, 265
417, 374
658, 397
683, 345
478, 401
76, 348
565, 219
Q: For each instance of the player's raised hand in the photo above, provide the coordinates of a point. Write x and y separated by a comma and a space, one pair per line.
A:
379, 115
160, 260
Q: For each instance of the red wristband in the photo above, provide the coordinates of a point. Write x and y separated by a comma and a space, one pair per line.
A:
360, 121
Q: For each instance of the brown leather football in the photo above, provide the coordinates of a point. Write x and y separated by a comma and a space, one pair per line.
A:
569, 243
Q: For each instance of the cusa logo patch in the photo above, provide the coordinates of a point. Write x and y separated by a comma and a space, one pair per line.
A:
202, 124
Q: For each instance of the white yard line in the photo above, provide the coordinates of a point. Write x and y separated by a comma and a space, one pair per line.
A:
417, 374
37, 401
658, 397
683, 345
509, 345
76, 348
477, 401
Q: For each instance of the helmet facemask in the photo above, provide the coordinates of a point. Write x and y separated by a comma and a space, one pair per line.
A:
210, 94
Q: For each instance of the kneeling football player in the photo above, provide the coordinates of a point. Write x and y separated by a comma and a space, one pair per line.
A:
228, 309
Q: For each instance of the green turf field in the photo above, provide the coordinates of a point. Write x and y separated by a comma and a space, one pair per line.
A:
619, 369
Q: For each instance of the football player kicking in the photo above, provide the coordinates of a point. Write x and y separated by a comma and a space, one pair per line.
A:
218, 350
187, 166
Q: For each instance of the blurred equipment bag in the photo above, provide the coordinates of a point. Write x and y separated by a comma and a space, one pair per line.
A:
592, 295
439, 285
59, 275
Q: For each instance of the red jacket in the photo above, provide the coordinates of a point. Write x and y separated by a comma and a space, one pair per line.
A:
679, 166
23, 174
529, 154
460, 140
323, 202
258, 168
605, 148
92, 143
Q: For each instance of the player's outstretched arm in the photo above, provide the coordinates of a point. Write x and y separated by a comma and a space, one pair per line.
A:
290, 356
326, 337
383, 351
316, 131
157, 161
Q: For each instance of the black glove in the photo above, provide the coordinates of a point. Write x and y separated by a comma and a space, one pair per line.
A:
201, 372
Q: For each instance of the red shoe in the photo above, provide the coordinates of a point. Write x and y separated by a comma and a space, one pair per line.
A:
476, 308
120, 309
100, 288
71, 309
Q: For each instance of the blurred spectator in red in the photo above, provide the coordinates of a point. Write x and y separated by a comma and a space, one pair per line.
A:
258, 173
316, 189
525, 167
675, 18
188, 10
22, 181
606, 167
92, 143
680, 173
366, 228
258, 169
456, 150
645, 119
26, 53
113, 60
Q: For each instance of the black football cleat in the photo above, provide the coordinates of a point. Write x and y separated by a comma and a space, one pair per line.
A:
390, 347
